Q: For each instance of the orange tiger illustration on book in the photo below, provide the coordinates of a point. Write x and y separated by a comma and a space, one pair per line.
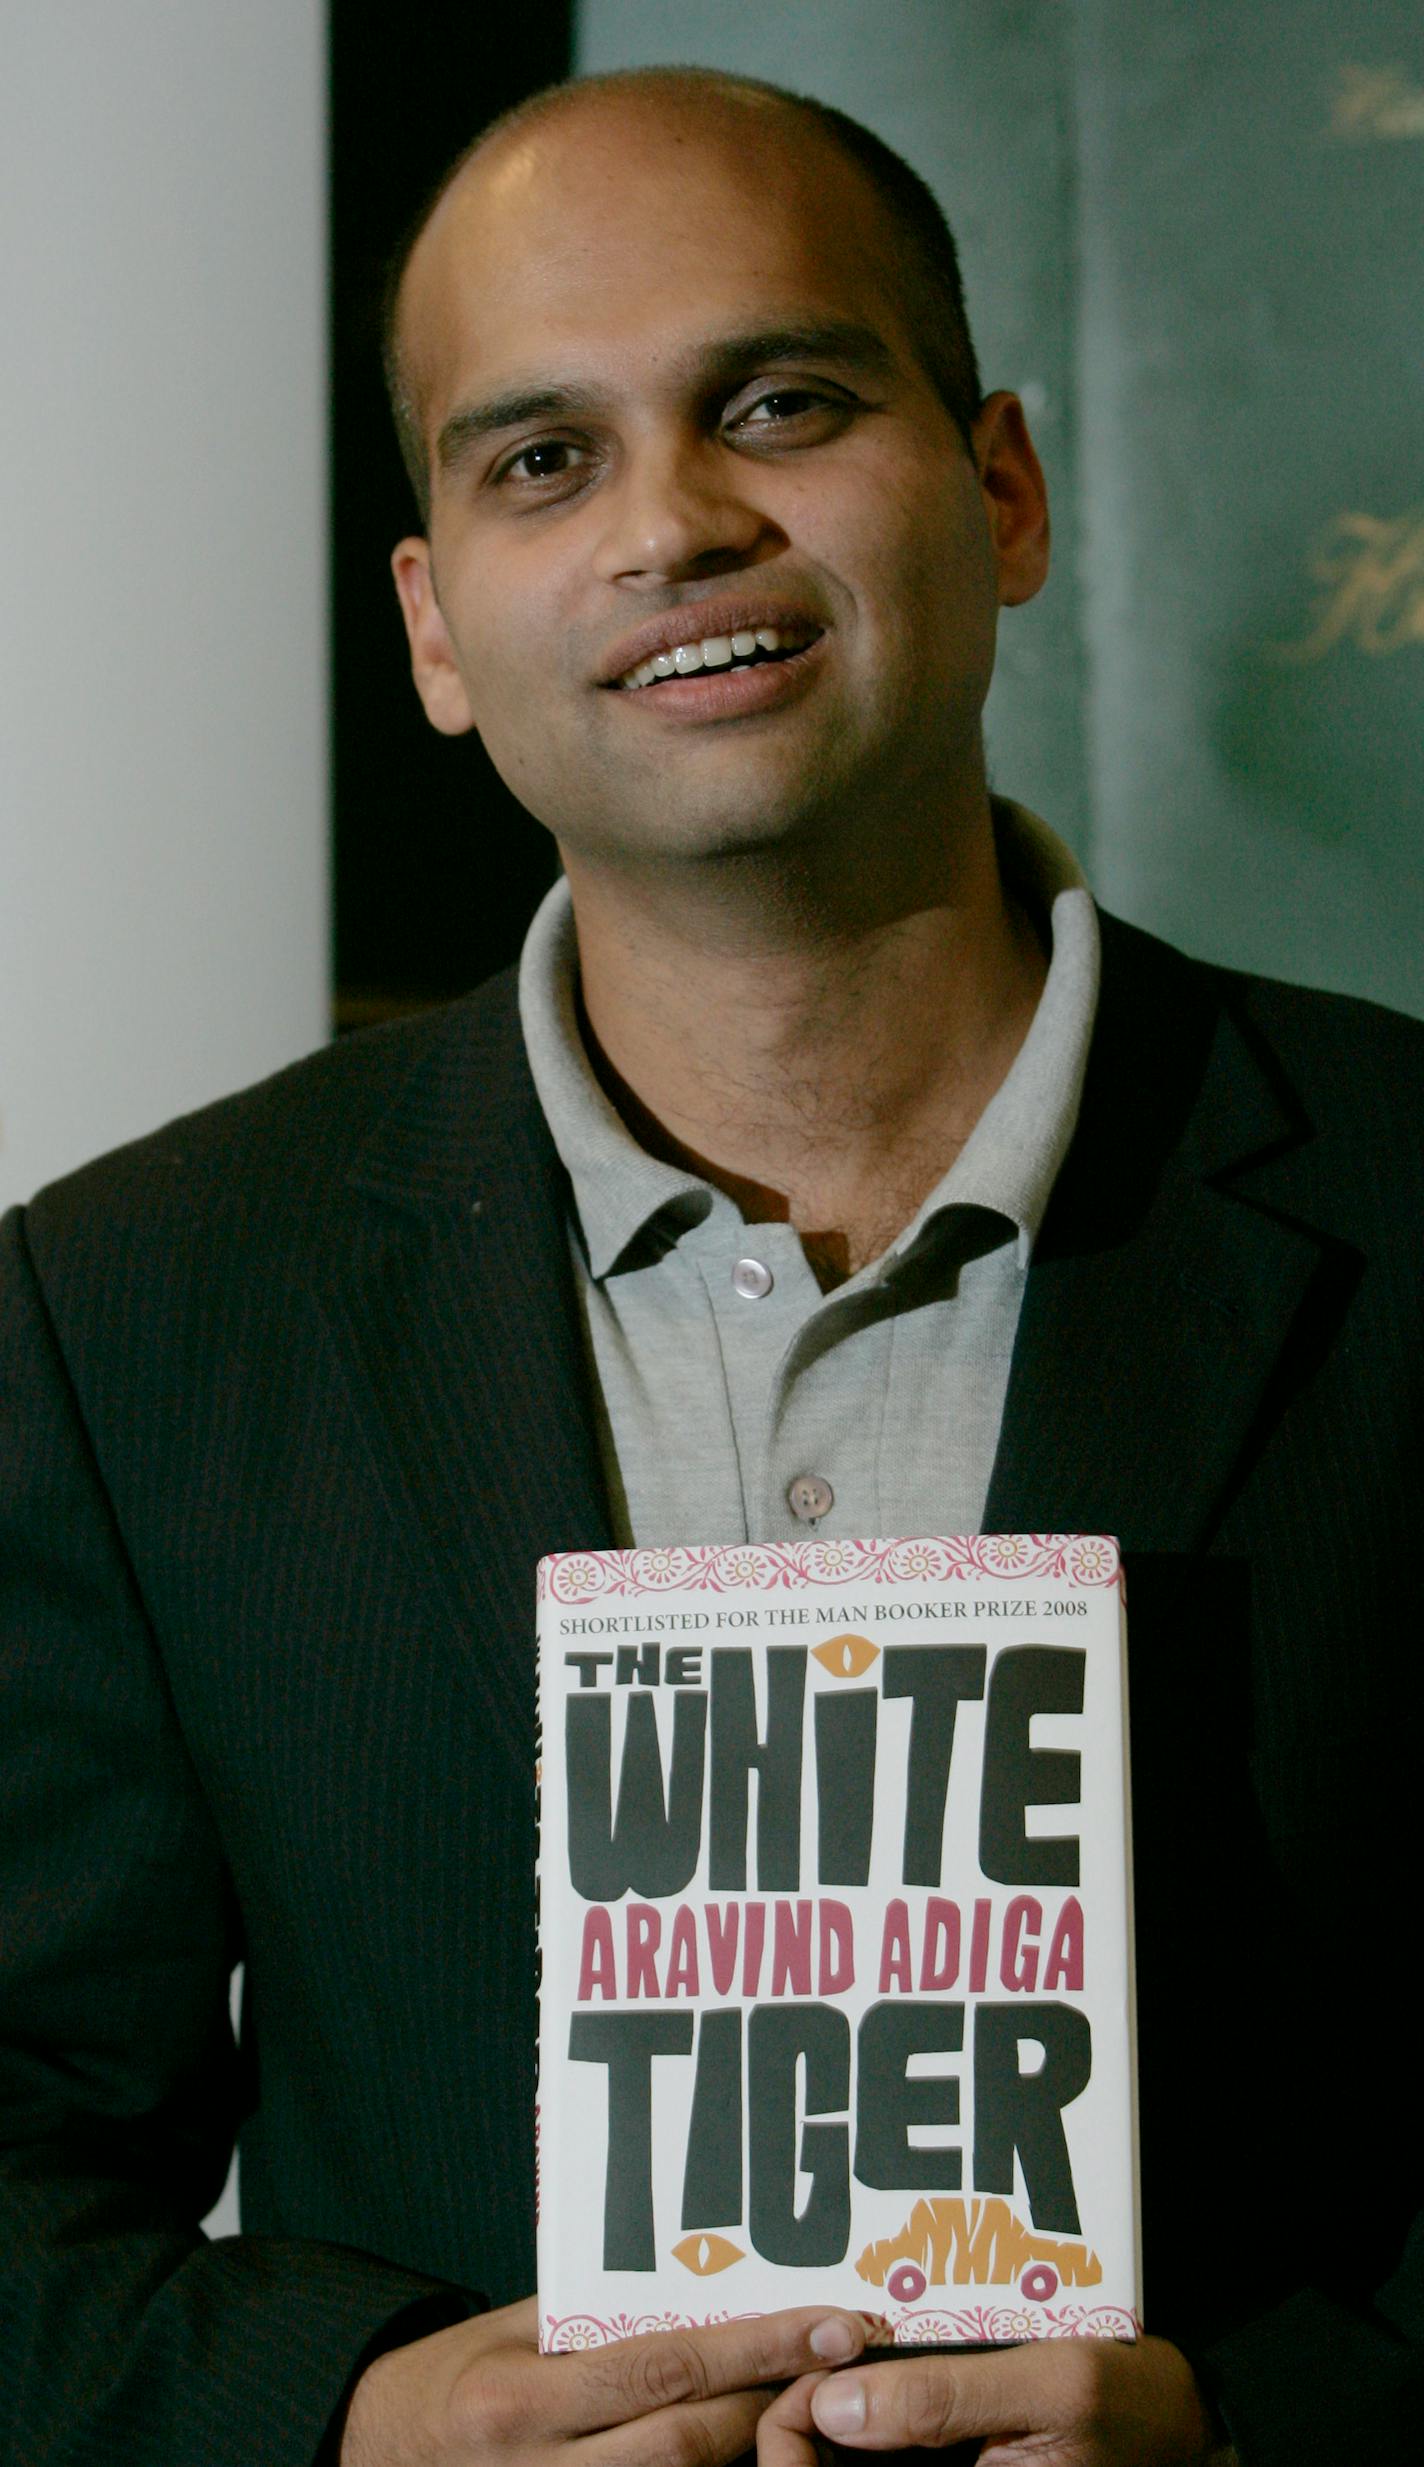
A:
951, 2241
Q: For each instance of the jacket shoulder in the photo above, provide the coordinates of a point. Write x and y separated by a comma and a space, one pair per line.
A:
275, 1150
1346, 1060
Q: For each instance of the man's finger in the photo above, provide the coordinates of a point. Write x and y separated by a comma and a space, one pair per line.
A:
1105, 2400
786, 2435
925, 2402
635, 2377
703, 2433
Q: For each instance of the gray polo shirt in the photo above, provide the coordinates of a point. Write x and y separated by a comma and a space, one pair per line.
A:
737, 1402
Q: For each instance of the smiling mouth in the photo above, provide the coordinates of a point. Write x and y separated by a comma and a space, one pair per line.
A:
751, 649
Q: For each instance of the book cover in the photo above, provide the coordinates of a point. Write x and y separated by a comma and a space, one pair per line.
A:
835, 1938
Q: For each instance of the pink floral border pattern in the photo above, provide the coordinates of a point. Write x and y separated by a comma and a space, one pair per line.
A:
1009, 2325
983, 2325
604, 1575
567, 2333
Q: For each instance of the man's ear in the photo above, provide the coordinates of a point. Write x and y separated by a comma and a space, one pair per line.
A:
1015, 497
432, 660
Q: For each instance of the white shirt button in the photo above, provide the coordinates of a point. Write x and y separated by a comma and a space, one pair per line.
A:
751, 1278
810, 1497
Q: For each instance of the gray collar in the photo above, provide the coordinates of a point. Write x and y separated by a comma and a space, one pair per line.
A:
1007, 1165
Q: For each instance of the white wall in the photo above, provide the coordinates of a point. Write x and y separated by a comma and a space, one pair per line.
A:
163, 913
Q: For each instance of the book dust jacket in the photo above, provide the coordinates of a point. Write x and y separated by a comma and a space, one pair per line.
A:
835, 1950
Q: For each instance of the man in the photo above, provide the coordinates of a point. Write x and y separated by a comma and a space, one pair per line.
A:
847, 1187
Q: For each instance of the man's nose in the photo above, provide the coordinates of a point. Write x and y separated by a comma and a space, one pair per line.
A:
680, 509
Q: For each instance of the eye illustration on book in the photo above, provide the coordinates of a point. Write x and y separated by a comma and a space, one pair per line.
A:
707, 2254
845, 1657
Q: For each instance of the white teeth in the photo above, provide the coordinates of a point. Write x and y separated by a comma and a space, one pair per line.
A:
716, 651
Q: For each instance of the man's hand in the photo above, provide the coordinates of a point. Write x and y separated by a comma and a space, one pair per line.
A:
482, 2392
1054, 2402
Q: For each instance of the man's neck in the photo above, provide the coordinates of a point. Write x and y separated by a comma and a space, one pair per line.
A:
820, 1060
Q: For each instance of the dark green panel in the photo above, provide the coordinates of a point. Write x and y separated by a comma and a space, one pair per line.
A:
1252, 458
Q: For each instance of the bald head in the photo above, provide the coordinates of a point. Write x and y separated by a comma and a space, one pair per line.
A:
643, 118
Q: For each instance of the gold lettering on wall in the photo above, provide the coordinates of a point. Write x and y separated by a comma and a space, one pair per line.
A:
1376, 103
1371, 572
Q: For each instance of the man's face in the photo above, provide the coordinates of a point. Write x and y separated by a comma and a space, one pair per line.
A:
672, 408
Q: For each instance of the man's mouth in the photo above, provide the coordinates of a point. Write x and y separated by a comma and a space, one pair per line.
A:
748, 649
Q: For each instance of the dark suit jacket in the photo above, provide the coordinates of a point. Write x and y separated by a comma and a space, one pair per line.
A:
292, 1399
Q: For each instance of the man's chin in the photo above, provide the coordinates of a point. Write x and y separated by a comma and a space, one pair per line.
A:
702, 840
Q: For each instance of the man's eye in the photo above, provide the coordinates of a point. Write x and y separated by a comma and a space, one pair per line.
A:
787, 403
553, 458
791, 415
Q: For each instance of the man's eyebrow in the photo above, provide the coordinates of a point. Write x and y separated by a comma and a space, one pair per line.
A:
725, 361
840, 339
472, 421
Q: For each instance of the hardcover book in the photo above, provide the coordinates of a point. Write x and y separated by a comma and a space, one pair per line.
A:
835, 1939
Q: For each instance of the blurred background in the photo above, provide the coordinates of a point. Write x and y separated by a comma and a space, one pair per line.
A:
1192, 240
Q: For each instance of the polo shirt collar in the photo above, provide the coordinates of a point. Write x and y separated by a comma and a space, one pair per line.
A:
618, 1188
1010, 1161
1007, 1166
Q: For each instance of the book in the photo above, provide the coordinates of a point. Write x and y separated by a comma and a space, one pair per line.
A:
835, 1939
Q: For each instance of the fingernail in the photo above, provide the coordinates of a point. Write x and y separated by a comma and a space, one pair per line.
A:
833, 2340
838, 2406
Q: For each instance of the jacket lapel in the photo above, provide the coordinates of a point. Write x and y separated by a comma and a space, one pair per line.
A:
1163, 1292
452, 1302
1159, 1310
